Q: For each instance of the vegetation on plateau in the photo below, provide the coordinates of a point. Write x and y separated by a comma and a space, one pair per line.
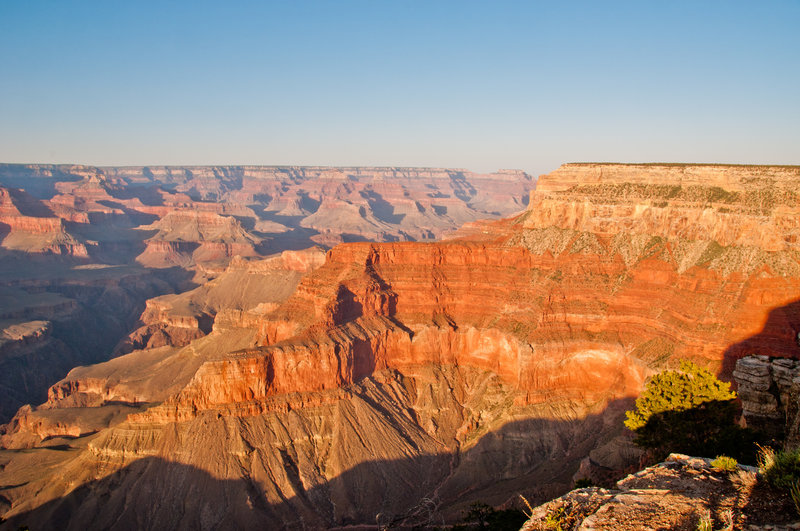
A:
781, 470
725, 463
689, 411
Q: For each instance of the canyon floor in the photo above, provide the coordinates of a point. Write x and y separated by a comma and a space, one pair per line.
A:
374, 384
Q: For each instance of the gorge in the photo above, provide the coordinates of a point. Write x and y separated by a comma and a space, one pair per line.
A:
83, 248
386, 383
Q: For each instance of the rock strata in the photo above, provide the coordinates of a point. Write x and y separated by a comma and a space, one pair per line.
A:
769, 389
84, 232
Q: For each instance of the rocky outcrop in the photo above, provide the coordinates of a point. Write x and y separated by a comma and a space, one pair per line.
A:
769, 389
22, 334
190, 236
37, 234
243, 293
31, 426
679, 493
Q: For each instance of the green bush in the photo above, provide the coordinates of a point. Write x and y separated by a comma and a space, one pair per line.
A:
781, 469
689, 411
555, 519
677, 391
723, 462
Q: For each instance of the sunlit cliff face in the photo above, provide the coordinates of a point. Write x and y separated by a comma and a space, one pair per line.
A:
465, 370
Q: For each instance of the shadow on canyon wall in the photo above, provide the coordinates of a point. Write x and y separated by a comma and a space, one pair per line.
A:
780, 336
533, 457
100, 311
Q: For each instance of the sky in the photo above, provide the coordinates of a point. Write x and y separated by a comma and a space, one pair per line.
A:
478, 85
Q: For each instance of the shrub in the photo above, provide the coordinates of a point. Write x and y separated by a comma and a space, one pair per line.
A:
723, 462
479, 513
780, 469
766, 458
705, 523
677, 391
689, 411
555, 519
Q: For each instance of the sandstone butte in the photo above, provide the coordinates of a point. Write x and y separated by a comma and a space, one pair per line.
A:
400, 382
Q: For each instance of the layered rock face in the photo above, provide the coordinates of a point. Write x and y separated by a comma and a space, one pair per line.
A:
41, 233
769, 389
751, 207
96, 235
190, 237
324, 205
402, 381
236, 298
195, 215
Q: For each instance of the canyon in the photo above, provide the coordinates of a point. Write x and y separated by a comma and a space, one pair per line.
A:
83, 248
387, 383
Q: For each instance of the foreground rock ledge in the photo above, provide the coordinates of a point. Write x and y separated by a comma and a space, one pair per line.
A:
675, 494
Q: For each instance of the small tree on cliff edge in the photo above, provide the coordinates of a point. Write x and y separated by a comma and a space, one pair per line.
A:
689, 411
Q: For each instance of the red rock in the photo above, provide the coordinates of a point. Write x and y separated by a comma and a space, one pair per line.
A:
37, 234
551, 293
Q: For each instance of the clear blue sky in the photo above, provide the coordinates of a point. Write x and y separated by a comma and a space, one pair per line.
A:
481, 85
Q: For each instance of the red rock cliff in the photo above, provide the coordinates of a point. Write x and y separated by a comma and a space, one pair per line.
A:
595, 283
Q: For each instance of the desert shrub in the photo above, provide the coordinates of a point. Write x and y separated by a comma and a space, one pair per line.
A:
583, 483
723, 462
555, 519
677, 391
781, 469
689, 411
766, 458
479, 514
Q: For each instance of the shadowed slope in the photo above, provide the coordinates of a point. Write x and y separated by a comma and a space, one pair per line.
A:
392, 473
